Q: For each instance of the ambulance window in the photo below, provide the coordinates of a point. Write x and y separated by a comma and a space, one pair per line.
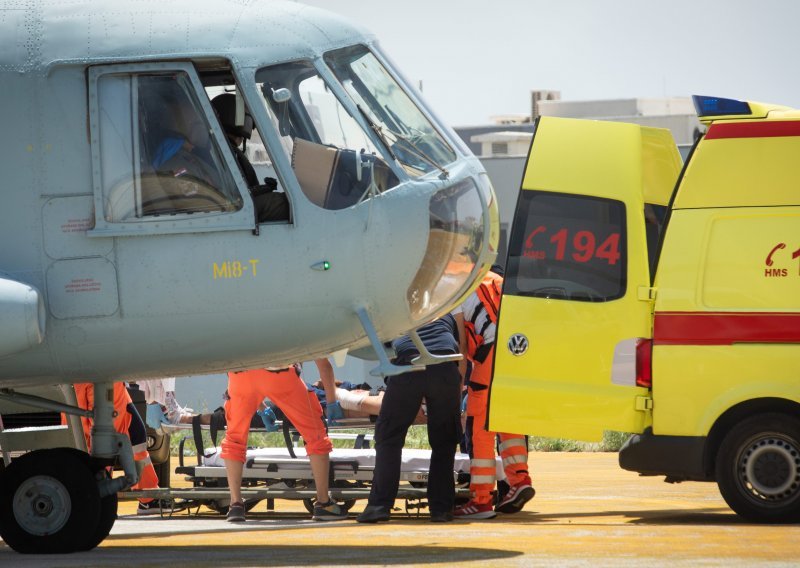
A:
157, 157
334, 159
567, 247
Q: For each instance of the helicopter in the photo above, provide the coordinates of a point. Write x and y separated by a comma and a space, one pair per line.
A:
133, 246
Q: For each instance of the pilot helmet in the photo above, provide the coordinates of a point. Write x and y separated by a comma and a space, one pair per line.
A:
225, 107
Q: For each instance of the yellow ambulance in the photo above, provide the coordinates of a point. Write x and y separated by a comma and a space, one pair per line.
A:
661, 299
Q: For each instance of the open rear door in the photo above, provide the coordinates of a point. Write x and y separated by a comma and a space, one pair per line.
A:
577, 297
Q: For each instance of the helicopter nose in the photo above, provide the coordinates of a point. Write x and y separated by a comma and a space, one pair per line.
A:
463, 237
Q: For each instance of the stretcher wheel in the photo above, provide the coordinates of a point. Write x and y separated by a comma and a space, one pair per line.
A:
50, 503
346, 505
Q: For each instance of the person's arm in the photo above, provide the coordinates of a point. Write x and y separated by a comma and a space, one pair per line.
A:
462, 343
327, 379
332, 409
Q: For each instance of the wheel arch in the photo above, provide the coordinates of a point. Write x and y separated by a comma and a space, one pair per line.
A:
736, 414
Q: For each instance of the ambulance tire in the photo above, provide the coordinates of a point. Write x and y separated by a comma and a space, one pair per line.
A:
758, 468
49, 503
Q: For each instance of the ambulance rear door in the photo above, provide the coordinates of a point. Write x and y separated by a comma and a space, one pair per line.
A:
577, 298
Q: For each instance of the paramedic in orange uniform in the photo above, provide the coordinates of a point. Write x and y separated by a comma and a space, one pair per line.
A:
479, 312
127, 421
246, 391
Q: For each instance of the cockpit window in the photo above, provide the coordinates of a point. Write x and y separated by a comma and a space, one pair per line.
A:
391, 112
156, 155
335, 161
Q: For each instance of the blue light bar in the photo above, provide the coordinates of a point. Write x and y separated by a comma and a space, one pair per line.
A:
715, 106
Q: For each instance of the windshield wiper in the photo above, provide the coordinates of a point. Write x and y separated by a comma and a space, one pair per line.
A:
378, 131
399, 136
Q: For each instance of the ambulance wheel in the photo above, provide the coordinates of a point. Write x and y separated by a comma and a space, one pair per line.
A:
49, 503
758, 468
346, 505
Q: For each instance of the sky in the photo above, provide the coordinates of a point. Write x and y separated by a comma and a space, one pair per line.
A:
479, 58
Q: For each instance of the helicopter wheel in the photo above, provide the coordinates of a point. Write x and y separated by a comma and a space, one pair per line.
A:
50, 503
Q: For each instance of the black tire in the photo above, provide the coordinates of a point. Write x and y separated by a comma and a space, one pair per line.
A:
163, 472
108, 516
758, 468
49, 503
108, 505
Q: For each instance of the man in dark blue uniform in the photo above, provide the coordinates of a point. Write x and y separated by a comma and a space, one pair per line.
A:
440, 387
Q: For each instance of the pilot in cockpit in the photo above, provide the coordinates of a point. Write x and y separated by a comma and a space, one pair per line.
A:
270, 205
184, 148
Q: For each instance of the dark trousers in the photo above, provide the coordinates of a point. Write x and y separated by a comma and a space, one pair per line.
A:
440, 386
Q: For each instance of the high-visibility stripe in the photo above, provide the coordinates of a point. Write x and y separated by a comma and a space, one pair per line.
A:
139, 448
762, 129
506, 444
476, 462
515, 459
725, 328
476, 479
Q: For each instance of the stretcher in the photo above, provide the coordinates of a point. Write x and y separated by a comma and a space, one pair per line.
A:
278, 473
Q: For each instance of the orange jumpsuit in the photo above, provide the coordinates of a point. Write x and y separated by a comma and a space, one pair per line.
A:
127, 421
513, 447
247, 389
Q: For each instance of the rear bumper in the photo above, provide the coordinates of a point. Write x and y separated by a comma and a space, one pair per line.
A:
680, 458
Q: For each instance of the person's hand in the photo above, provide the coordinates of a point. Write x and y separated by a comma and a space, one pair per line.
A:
334, 412
155, 416
268, 418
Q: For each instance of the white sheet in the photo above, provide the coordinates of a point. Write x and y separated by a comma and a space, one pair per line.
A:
413, 460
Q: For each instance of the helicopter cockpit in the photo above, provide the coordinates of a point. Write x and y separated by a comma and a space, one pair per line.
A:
326, 133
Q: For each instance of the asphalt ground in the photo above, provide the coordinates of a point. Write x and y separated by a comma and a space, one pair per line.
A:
587, 512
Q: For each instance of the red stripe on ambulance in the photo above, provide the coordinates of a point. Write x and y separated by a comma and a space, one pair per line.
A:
767, 129
725, 328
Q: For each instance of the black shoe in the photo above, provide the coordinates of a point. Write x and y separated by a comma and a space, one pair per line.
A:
160, 507
236, 513
445, 517
374, 514
329, 511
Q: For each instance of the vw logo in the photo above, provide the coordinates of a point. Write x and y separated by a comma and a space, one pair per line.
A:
518, 344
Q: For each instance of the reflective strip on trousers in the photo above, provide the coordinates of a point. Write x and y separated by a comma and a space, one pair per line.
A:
482, 479
513, 442
512, 459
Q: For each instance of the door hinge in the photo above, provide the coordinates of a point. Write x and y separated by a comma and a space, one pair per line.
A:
647, 293
643, 403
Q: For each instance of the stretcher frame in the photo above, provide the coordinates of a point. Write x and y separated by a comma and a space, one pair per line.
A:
289, 478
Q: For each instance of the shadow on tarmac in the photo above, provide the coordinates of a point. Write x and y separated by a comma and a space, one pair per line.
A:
263, 555
708, 516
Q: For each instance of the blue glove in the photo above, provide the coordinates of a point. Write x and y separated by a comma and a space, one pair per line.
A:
155, 416
334, 412
268, 418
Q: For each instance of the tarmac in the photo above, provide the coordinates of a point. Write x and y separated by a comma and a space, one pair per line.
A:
587, 512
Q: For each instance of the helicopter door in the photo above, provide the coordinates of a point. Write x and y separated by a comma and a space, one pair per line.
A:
576, 297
